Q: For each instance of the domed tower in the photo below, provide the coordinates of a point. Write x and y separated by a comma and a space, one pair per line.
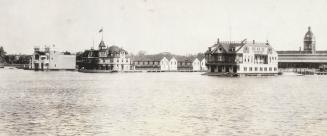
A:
309, 42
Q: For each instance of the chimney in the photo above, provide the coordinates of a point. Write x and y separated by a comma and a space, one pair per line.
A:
209, 48
218, 40
253, 41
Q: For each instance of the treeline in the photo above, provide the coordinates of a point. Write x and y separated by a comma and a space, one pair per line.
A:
17, 59
2, 55
12, 58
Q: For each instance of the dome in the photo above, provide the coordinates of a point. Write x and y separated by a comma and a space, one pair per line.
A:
309, 35
115, 49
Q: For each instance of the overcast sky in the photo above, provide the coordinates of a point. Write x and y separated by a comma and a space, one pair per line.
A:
178, 26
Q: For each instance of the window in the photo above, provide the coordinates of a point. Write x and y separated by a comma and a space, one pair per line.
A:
270, 69
260, 68
245, 68
255, 69
250, 68
265, 69
275, 69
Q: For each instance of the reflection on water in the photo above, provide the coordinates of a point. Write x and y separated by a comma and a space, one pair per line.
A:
124, 104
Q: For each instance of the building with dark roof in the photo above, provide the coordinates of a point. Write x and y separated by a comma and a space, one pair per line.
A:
105, 58
242, 58
309, 57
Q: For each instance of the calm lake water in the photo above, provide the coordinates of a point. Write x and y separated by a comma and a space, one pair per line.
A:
160, 104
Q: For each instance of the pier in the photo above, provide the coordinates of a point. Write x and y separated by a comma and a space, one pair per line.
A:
304, 71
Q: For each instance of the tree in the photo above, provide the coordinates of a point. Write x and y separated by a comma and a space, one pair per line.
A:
141, 53
2, 54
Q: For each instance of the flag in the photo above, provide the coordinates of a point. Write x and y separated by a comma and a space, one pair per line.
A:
100, 30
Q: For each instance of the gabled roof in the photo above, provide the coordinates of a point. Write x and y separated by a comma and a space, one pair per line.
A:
233, 47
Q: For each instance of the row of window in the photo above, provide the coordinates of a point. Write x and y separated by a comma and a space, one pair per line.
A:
259, 68
117, 60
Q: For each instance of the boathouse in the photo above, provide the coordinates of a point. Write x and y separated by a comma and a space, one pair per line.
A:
242, 57
48, 58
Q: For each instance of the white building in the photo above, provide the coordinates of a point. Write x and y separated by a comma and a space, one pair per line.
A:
173, 64
49, 59
196, 65
203, 65
242, 58
164, 64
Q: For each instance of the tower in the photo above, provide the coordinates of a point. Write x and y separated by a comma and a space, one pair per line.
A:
309, 42
102, 45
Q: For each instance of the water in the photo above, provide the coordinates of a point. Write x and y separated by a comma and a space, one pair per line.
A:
160, 104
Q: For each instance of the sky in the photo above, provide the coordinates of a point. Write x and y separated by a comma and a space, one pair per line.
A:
177, 26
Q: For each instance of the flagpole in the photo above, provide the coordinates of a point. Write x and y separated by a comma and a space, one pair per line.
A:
102, 34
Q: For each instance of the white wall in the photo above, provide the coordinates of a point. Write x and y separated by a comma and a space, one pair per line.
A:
196, 65
173, 64
60, 61
164, 64
203, 65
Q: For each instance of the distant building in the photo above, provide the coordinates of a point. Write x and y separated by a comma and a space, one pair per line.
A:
242, 58
172, 64
309, 57
203, 65
164, 64
50, 59
147, 64
185, 64
155, 63
105, 58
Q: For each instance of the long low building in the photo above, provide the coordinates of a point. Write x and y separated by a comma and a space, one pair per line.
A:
169, 63
298, 59
309, 57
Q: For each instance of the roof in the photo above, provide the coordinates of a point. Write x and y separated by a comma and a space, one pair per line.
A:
146, 58
102, 44
116, 49
234, 46
309, 35
90, 53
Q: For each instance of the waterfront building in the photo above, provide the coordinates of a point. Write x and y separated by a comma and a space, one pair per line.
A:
196, 66
203, 65
184, 64
309, 57
50, 59
111, 58
152, 63
172, 66
164, 64
248, 58
189, 64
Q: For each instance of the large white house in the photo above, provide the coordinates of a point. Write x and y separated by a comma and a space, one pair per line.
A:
249, 58
50, 59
